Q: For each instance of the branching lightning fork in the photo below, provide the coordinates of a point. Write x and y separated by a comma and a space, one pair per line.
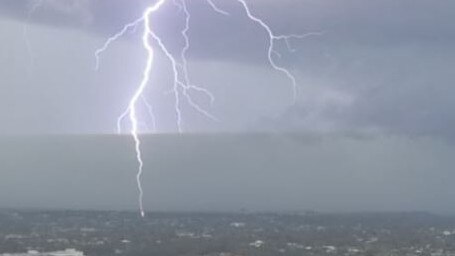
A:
182, 86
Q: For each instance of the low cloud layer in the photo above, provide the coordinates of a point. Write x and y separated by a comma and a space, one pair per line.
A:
228, 173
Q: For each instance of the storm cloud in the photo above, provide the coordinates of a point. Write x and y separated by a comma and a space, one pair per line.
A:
383, 66
372, 128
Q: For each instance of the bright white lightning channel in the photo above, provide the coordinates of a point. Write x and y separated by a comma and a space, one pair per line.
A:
182, 85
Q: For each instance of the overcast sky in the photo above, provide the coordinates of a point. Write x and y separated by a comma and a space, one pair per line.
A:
230, 172
381, 70
383, 65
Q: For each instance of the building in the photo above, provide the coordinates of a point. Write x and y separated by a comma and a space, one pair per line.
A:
67, 252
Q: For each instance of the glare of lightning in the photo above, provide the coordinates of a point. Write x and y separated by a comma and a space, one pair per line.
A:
132, 106
182, 86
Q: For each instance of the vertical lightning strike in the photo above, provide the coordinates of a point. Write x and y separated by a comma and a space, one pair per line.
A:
182, 86
132, 106
131, 111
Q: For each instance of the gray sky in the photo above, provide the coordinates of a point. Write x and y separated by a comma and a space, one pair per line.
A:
382, 70
230, 172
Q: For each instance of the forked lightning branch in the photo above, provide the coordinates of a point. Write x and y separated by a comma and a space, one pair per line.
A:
182, 87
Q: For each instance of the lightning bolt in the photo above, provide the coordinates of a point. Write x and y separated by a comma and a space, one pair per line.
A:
182, 88
216, 9
132, 106
273, 38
